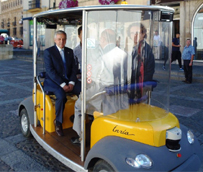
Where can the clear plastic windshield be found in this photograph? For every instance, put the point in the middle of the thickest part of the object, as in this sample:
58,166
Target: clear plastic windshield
127,64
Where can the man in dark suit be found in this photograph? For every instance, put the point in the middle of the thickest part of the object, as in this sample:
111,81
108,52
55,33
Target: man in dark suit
60,77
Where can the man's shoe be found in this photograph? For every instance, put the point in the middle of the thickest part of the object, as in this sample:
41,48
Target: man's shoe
188,82
58,129
163,68
75,140
181,69
184,81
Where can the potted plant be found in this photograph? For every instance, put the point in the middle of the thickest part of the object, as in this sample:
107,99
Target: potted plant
107,2
68,3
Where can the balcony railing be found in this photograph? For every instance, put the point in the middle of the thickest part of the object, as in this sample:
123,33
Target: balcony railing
34,4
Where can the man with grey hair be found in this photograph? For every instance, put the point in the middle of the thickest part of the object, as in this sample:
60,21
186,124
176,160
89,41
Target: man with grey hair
187,56
60,75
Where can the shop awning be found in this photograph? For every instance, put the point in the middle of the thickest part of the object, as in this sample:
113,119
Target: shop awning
27,18
3,31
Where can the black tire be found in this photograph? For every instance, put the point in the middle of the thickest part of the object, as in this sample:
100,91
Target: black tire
102,166
25,123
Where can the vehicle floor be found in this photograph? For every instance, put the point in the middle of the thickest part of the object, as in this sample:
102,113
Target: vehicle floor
63,145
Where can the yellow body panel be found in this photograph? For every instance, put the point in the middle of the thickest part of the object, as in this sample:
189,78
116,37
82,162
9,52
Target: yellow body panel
50,111
141,122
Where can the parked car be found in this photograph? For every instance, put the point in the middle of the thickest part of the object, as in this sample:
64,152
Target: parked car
16,42
1,39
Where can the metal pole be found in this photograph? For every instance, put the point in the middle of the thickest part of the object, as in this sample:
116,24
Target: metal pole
83,91
35,71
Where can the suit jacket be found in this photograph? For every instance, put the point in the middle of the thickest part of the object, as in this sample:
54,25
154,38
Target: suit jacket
55,68
149,62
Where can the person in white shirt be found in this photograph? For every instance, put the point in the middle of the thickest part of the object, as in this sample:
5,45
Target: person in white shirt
156,45
109,68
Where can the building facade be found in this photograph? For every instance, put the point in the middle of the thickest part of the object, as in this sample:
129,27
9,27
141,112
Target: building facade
188,21
11,14
32,7
16,17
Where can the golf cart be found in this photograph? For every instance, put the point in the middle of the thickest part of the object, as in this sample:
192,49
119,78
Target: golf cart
126,124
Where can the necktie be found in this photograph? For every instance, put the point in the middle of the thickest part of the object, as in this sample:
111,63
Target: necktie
140,73
64,63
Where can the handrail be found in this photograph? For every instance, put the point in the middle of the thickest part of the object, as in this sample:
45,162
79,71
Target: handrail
41,87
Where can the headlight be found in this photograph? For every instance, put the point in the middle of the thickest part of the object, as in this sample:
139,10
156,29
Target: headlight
190,137
140,160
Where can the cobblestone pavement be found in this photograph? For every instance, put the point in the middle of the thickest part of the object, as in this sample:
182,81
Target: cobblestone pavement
21,154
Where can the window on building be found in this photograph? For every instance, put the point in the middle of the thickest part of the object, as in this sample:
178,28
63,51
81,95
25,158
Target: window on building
14,31
21,31
198,34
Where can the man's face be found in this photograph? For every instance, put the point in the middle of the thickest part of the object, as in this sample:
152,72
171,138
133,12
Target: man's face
102,41
177,35
60,40
136,34
156,33
80,36
188,42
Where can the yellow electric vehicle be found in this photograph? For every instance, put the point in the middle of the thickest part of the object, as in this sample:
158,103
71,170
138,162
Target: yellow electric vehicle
126,124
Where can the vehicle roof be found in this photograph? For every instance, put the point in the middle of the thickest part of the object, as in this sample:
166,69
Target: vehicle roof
78,10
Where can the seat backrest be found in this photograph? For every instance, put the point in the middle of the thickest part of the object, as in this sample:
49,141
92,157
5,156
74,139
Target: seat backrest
42,74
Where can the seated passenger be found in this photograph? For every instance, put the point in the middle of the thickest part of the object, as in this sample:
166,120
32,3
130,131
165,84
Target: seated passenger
142,62
108,65
60,75
78,53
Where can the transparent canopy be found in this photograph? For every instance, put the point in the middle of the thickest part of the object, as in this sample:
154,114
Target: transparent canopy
125,59
127,66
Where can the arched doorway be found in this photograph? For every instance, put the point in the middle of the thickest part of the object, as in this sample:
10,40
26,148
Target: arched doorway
197,33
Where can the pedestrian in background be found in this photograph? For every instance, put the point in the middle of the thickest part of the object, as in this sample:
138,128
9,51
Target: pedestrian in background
156,45
176,54
188,55
195,47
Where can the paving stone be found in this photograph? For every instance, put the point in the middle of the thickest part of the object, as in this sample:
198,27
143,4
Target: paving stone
6,148
5,167
200,138
15,139
21,162
40,155
183,111
2,94
24,77
13,112
4,72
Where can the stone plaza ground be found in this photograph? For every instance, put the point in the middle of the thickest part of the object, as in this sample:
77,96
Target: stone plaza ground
21,154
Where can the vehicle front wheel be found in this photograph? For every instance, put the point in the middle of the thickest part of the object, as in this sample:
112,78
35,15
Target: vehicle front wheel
102,166
25,123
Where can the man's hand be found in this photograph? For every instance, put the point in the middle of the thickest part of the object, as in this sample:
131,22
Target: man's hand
66,88
70,87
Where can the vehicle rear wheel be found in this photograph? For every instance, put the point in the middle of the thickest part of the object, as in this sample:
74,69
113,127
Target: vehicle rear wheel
25,123
102,166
